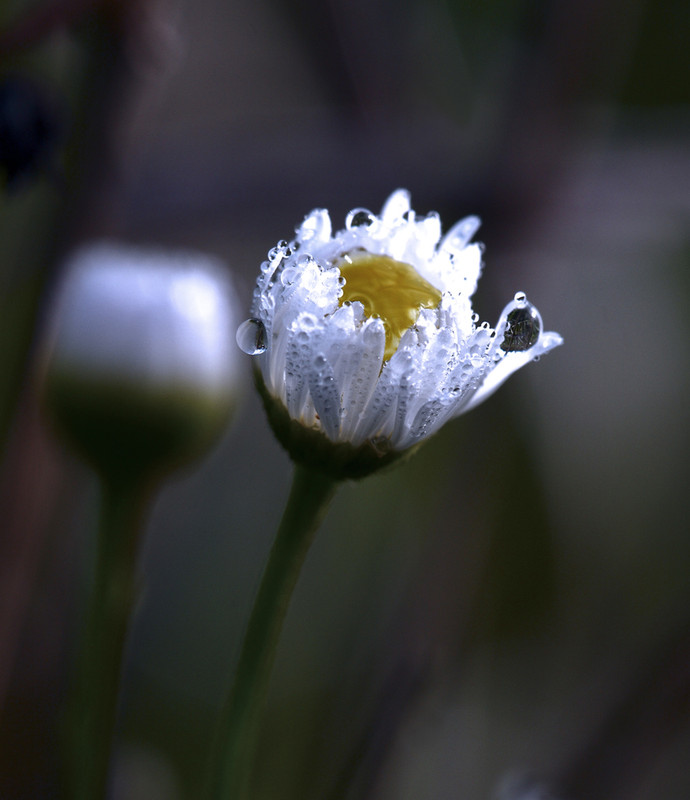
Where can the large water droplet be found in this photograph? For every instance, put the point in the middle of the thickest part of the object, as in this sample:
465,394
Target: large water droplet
359,218
251,337
522,329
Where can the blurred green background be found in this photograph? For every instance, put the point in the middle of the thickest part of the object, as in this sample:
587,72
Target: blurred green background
507,614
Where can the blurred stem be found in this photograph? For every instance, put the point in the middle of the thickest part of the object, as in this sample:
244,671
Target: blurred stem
239,720
112,598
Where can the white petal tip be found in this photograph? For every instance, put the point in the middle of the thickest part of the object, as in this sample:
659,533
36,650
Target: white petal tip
396,205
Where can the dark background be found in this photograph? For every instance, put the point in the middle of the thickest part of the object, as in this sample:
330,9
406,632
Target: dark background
507,610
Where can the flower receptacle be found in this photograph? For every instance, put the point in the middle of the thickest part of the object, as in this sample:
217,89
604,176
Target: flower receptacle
312,448
129,432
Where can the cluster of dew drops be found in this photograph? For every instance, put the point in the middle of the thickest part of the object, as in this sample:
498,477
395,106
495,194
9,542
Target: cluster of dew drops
522,323
251,334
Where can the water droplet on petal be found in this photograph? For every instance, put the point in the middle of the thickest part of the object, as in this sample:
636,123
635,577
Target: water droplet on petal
359,218
251,337
288,275
522,328
279,251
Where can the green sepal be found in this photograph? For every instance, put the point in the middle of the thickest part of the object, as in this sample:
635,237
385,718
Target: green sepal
130,432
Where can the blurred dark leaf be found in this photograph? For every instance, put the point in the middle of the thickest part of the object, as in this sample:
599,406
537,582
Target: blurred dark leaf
30,129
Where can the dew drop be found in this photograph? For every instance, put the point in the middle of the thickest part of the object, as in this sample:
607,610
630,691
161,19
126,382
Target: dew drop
251,337
278,268
287,275
522,329
359,218
279,251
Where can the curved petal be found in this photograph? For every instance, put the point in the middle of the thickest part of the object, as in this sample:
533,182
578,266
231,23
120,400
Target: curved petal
395,207
316,225
509,364
460,234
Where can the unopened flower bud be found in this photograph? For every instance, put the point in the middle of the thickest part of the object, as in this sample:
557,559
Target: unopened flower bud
141,372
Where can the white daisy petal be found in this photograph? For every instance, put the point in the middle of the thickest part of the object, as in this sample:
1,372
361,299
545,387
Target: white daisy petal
325,395
460,234
397,205
316,225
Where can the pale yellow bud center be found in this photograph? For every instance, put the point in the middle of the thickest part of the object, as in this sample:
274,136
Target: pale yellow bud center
389,289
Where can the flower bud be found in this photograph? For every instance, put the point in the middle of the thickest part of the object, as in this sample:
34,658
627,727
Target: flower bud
141,372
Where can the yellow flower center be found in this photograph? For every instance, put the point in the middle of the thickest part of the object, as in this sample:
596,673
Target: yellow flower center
389,289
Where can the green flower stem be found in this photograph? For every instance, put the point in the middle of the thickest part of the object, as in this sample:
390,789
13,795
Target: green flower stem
239,720
112,598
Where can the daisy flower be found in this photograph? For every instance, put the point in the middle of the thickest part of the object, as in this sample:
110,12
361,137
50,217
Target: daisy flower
365,339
